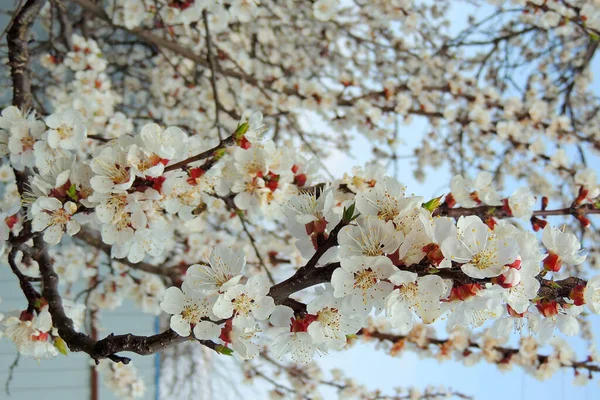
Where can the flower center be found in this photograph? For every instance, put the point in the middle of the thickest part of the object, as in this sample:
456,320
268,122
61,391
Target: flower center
191,313
65,132
365,279
243,304
27,142
329,317
408,292
60,217
484,259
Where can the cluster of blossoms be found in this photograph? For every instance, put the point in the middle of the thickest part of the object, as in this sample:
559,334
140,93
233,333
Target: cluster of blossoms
387,252
102,169
394,257
469,349
33,333
122,380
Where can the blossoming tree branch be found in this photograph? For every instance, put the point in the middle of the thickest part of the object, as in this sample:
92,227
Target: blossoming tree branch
160,151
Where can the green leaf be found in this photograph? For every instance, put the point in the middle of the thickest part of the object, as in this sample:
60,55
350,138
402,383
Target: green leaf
61,346
432,270
432,204
594,36
348,214
554,285
353,336
72,192
241,130
224,350
219,153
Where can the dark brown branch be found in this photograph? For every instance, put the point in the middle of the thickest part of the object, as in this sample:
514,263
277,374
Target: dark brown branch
24,281
77,341
18,53
309,275
202,156
499,212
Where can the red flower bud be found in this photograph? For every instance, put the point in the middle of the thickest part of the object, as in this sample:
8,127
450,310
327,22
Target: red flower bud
516,264
552,262
538,224
513,313
301,324
584,221
449,200
434,253
577,295
548,308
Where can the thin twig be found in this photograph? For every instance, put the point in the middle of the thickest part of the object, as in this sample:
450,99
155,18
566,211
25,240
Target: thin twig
213,69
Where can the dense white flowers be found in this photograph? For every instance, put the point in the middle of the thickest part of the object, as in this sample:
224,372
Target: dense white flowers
67,130
223,272
521,203
419,295
54,218
481,252
364,281
246,301
189,309
140,158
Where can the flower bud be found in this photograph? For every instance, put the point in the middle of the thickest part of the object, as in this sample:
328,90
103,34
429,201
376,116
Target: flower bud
552,262
449,200
510,278
577,295
516,264
548,308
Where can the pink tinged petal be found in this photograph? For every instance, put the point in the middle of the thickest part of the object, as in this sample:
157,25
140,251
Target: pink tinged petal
53,139
223,307
263,308
180,326
568,325
205,330
173,301
403,278
281,317
401,318
257,286
315,330
40,221
139,220
502,328
546,330
73,227
361,304
53,234
342,282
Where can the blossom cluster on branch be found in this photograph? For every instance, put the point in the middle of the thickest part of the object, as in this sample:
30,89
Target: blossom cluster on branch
132,163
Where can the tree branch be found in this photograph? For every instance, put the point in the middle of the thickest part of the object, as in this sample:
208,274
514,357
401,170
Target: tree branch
18,53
